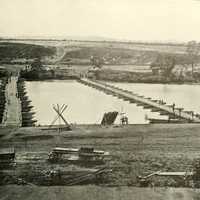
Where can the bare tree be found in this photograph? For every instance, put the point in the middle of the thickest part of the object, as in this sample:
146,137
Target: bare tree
193,51
96,61
163,65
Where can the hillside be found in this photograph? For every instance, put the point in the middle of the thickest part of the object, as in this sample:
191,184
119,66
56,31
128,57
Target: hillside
12,51
80,52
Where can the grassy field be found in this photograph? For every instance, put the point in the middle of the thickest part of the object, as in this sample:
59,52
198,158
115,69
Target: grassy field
135,149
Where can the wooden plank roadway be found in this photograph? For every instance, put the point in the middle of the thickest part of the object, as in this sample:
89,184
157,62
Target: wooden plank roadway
12,114
146,101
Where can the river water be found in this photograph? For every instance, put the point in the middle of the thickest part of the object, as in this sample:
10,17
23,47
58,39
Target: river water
87,105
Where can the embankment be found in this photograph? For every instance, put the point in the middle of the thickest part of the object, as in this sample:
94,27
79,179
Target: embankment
137,77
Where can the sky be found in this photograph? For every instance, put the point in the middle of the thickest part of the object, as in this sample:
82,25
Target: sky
145,20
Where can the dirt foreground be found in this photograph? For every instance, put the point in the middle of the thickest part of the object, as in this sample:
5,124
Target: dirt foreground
96,193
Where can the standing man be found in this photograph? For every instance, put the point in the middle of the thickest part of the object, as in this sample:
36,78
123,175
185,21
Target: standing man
173,107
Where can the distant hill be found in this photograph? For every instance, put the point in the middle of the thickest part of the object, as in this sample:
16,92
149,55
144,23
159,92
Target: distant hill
83,38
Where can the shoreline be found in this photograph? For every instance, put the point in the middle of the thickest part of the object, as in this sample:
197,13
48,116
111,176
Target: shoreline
115,81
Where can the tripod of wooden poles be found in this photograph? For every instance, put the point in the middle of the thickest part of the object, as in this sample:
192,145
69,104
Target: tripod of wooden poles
59,117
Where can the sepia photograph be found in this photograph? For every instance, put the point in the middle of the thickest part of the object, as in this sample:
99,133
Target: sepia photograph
99,99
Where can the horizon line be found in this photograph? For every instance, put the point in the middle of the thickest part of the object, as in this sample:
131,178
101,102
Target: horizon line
86,39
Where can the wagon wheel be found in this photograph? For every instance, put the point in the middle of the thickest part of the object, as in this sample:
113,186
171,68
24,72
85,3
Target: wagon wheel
54,156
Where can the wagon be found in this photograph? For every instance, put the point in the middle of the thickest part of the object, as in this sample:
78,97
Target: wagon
82,155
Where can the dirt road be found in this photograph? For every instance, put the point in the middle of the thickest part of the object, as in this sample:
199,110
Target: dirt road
12,113
96,192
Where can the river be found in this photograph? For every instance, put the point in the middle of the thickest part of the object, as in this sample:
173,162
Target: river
87,105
